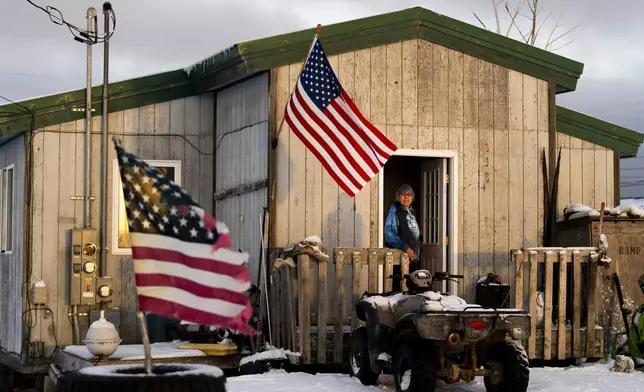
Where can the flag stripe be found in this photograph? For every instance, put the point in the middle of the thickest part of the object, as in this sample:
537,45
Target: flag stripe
174,294
200,290
206,278
191,249
318,129
323,157
387,144
195,314
173,256
341,138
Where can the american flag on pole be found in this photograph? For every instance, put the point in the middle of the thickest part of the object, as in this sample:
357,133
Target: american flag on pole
182,262
328,122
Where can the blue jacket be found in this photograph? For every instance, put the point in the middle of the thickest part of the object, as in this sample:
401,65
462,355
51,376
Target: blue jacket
392,236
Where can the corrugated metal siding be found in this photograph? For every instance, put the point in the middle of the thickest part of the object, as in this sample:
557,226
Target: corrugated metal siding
13,153
242,131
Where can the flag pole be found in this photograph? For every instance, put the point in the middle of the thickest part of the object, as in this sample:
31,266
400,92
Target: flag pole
317,33
146,342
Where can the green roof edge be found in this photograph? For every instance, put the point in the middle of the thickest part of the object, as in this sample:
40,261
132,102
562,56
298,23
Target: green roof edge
623,140
245,59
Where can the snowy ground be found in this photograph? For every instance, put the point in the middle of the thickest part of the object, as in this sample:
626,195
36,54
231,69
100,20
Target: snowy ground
589,378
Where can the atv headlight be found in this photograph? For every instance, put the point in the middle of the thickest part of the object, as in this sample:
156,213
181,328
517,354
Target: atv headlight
518,333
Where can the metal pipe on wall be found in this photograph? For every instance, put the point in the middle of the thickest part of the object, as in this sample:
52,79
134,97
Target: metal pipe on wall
102,261
91,16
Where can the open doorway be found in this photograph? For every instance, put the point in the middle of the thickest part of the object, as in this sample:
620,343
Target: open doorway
428,173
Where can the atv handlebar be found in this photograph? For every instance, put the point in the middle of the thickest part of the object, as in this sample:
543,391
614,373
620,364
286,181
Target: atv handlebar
438,276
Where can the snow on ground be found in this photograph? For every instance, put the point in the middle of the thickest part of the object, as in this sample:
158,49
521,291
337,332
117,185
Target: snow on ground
588,378
130,352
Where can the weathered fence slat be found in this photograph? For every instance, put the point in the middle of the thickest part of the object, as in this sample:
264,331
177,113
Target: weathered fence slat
304,298
576,320
547,308
355,286
404,268
373,272
518,257
561,328
532,341
290,308
338,334
389,270
592,315
322,311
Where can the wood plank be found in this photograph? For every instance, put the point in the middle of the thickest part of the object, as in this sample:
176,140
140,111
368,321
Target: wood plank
177,127
404,268
290,308
601,191
542,145
440,84
456,89
486,201
356,271
146,129
378,88
518,258
394,80
66,222
563,293
470,92
425,137
161,130
389,270
576,181
531,189
207,147
281,215
346,206
501,202
362,98
593,287
50,231
532,340
576,322
330,198
486,95
373,272
190,181
547,308
542,105
588,174
456,144
304,298
515,100
297,175
425,84
563,196
340,308
530,104
470,212
501,111
441,138
515,190
409,88
322,311
610,179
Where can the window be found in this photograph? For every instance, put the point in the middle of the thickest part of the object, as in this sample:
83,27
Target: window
6,209
120,232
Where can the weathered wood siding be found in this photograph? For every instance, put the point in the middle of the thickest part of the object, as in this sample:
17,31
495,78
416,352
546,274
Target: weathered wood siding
11,265
242,142
425,96
173,130
586,174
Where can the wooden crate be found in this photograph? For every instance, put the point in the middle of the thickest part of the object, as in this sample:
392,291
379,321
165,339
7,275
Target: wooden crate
307,297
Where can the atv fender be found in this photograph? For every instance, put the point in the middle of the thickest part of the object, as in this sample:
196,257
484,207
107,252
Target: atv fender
365,311
406,328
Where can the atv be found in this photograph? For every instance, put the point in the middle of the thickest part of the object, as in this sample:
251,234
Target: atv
422,336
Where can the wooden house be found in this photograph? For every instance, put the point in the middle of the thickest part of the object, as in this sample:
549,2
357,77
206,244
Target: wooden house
471,108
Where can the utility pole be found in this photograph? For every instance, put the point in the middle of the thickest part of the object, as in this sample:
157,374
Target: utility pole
107,7
91,22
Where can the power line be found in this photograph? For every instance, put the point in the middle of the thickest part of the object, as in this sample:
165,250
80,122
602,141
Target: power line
80,35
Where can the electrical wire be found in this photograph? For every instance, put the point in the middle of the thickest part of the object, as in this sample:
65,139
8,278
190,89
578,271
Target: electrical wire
80,35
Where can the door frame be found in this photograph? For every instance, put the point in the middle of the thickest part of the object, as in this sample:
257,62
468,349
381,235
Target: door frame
452,206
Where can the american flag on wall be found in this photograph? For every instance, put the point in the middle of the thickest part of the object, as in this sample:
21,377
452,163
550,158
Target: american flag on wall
182,262
328,122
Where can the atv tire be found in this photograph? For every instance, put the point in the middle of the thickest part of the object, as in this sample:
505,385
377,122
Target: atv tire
359,362
133,378
414,367
509,361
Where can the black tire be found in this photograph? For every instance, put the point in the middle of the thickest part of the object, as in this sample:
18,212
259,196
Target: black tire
126,378
509,361
415,367
359,363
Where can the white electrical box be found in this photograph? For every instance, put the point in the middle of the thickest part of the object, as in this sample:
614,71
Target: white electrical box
39,293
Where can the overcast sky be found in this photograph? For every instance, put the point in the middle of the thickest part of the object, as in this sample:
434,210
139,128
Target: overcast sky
41,58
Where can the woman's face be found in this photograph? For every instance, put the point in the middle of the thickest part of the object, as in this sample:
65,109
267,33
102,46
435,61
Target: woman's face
405,199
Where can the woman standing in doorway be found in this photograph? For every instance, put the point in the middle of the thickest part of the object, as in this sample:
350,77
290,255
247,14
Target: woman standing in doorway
401,228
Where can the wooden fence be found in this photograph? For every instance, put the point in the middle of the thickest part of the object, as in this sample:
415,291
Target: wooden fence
554,342
312,300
